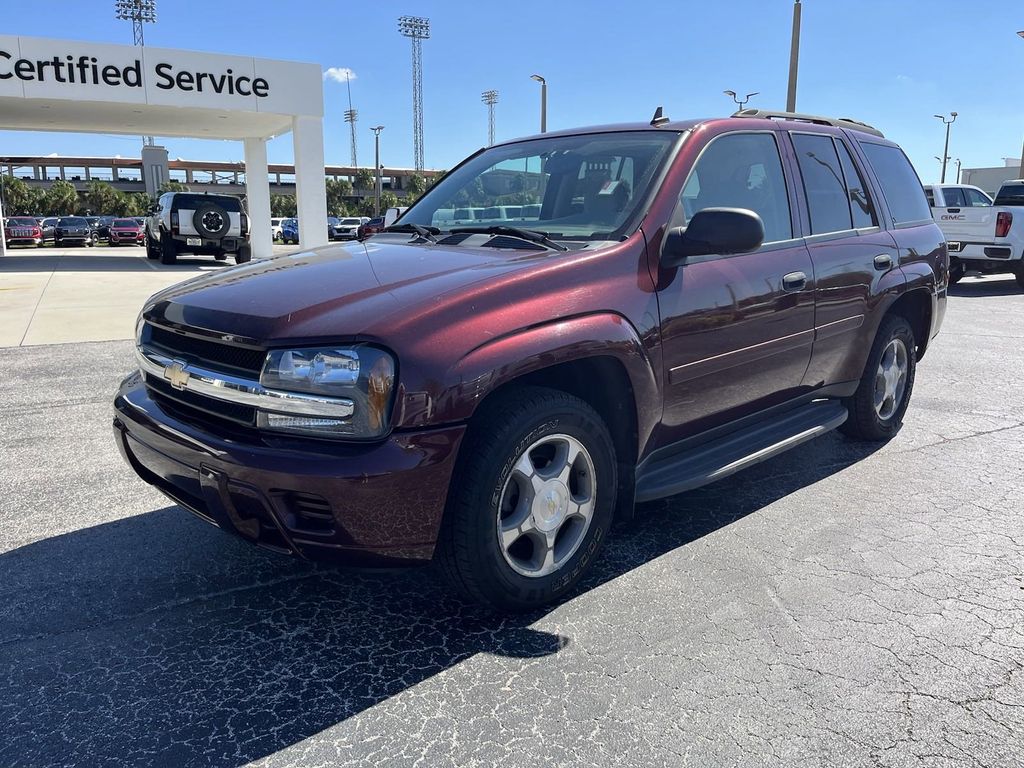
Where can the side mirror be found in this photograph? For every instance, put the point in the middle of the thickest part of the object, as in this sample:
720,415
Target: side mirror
713,231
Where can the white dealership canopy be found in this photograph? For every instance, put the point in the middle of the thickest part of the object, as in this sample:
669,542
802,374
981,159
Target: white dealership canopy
83,87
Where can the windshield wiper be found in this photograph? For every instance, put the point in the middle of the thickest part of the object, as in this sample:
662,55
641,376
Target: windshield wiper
541,238
427,233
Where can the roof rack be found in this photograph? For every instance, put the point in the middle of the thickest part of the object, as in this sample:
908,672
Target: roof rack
837,122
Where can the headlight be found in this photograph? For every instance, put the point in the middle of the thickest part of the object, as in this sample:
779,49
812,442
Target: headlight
360,373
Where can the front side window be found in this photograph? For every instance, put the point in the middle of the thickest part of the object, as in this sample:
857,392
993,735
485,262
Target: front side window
976,198
570,187
740,170
899,182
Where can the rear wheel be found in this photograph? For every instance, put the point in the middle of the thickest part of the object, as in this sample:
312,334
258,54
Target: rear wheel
532,500
168,251
244,254
956,273
1020,278
877,407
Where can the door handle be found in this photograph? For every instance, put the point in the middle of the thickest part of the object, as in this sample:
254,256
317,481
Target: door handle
794,281
883,262
952,210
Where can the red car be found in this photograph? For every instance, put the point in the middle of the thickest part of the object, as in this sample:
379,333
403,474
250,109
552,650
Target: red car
372,227
127,232
666,303
22,230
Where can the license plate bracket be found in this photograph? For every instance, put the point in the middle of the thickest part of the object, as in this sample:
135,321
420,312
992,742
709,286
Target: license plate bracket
194,241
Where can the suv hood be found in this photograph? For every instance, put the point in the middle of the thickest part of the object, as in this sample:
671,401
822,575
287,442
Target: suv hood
331,292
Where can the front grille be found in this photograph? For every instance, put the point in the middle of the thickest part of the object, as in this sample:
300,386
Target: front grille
208,354
193,407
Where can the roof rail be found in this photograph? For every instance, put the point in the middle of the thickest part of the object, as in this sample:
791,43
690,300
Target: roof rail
838,122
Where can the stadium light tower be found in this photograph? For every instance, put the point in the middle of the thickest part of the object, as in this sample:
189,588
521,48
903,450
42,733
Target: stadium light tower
351,116
138,12
490,98
416,28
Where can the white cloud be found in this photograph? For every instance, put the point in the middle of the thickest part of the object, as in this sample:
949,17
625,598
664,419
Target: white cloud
339,74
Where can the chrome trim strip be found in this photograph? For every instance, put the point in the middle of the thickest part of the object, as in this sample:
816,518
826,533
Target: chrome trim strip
234,389
746,355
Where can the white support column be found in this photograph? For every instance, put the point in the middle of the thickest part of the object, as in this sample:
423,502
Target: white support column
257,195
3,244
310,182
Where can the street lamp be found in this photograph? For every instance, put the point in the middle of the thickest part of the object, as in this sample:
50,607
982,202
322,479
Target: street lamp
945,152
376,162
740,102
543,102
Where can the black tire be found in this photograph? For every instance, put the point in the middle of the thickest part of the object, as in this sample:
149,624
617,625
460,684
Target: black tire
220,256
244,254
211,221
168,251
956,273
498,436
57,243
151,249
1020,278
865,422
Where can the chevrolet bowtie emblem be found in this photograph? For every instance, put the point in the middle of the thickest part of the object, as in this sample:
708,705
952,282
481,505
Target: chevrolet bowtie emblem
176,374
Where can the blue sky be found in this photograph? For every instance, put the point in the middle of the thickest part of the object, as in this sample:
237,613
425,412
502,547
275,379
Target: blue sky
891,63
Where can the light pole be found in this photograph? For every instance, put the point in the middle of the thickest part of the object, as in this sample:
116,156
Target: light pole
138,12
543,102
376,163
794,58
1021,34
945,151
958,170
740,102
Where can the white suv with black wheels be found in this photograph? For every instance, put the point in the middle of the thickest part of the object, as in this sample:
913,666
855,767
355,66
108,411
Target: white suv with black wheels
187,222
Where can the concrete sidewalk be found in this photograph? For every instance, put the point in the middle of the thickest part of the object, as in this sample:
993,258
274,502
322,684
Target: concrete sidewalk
62,295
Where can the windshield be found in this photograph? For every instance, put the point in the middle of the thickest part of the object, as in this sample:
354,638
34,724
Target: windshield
131,223
21,222
570,187
351,221
72,221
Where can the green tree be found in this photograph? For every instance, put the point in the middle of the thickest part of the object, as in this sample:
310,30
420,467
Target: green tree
35,202
17,196
101,198
387,200
61,199
172,186
337,191
415,186
282,206
364,179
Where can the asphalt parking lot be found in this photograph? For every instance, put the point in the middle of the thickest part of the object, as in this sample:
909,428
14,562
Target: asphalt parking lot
843,605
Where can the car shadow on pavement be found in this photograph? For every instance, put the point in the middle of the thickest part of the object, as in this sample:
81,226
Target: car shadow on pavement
157,640
989,287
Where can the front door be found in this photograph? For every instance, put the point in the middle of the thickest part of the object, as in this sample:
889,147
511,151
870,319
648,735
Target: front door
737,331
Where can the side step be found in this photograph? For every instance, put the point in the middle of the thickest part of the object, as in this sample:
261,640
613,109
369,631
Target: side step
722,457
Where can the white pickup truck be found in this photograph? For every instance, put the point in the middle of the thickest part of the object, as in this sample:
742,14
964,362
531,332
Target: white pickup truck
982,236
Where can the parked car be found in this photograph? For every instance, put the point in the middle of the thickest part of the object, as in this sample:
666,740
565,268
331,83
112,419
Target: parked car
275,228
49,227
698,296
126,232
333,222
22,230
348,228
371,227
982,236
290,231
103,227
73,230
214,225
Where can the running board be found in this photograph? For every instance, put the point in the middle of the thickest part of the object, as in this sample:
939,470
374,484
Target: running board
722,457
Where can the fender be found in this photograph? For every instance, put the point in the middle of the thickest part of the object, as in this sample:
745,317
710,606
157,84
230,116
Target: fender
500,361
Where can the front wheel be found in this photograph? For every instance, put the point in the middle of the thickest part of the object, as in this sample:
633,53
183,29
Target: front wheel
168,251
877,407
532,500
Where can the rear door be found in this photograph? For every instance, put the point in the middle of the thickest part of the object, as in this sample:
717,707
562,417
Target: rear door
736,330
852,254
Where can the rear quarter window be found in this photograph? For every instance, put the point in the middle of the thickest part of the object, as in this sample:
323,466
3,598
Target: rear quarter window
900,185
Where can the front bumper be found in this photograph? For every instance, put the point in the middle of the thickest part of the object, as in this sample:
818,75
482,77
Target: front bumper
376,504
23,240
127,238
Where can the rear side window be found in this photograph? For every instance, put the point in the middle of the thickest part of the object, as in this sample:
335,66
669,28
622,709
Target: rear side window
900,185
862,210
740,170
1010,194
954,197
827,200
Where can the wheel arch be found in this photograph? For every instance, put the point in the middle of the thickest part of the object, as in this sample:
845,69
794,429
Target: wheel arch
917,307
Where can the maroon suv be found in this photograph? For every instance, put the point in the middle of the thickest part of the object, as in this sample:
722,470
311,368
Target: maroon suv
563,325
127,232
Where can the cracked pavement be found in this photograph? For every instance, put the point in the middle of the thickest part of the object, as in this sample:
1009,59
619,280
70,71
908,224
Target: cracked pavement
843,605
